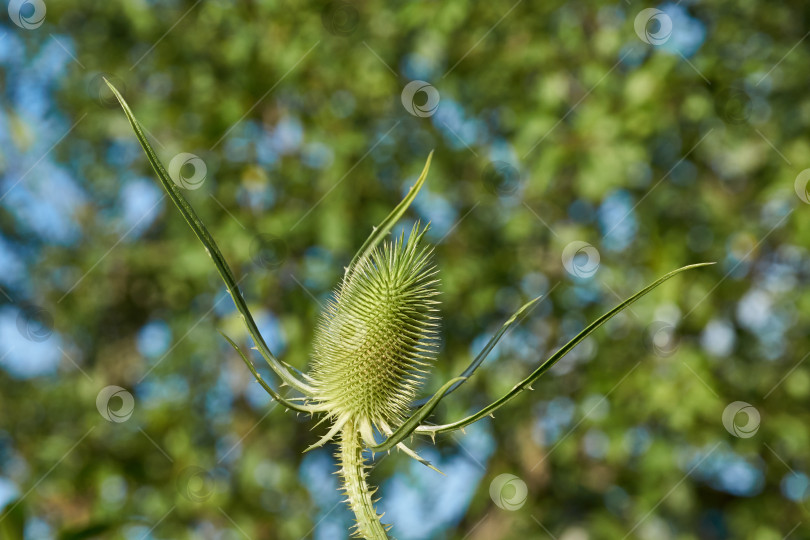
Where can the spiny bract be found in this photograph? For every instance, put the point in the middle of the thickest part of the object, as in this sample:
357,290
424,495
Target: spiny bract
377,335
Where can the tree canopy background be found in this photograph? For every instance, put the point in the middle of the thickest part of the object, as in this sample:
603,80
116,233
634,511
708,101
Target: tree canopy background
651,139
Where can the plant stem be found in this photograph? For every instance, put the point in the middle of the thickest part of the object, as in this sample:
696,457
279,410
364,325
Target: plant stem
358,495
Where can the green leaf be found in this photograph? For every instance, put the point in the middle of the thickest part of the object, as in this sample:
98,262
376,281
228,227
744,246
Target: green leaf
553,359
211,248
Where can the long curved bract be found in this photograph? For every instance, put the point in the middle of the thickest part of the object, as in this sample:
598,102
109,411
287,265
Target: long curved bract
553,359
414,420
379,232
479,359
212,249
305,408
412,425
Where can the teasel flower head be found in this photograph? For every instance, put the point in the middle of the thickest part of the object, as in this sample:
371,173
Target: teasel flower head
377,335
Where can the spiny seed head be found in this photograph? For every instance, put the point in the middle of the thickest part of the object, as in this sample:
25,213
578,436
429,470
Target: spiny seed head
378,334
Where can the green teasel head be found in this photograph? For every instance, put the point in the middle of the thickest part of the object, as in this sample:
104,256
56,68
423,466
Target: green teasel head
377,336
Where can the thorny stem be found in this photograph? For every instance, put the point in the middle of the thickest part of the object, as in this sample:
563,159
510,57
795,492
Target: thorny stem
358,494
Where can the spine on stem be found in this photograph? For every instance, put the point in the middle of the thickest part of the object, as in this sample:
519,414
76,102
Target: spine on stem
358,494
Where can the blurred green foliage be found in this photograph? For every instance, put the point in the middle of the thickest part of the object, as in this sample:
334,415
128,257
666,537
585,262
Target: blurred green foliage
656,155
